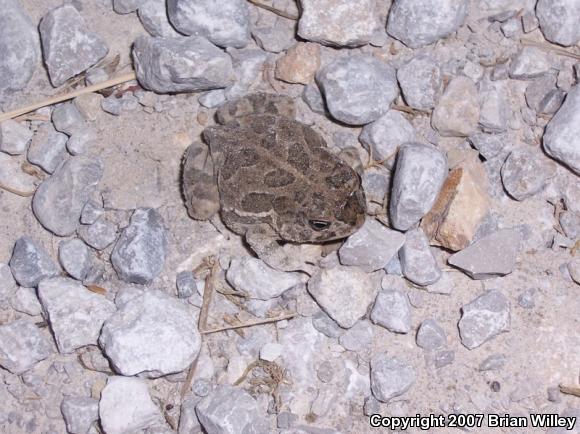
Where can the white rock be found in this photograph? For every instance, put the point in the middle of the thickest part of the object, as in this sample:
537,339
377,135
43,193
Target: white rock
14,137
344,293
22,345
529,62
7,283
126,406
26,301
153,316
421,22
371,247
231,410
338,22
75,314
271,351
562,136
258,280
384,136
559,20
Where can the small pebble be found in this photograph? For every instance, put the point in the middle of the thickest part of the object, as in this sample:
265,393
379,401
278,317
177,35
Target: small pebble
30,263
14,137
390,377
75,258
392,311
185,283
484,318
431,336
100,234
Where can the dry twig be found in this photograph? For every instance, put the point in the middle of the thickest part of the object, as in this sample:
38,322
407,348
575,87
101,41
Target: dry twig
248,324
549,47
274,10
570,390
70,95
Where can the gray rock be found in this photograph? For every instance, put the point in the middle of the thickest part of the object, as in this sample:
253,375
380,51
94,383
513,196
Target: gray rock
126,6
80,141
523,174
226,24
530,22
392,311
390,377
344,293
431,336
12,176
457,113
340,23
169,65
75,314
188,422
512,28
442,358
483,318
68,46
100,234
30,263
490,256
7,283
559,20
152,316
493,362
257,280
231,410
14,136
543,96
526,299
59,200
359,338
26,301
326,325
140,251
48,148
75,258
419,176
213,98
384,136
418,262
153,17
22,345
286,419
495,106
67,118
248,65
120,415
421,82
314,99
569,221
185,283
528,63
91,212
421,22
276,38
358,89
394,266
371,247
270,351
79,413
488,145
562,136
20,50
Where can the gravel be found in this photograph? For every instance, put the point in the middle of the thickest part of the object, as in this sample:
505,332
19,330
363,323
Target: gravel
79,413
559,21
59,200
421,82
195,64
69,47
418,262
419,175
561,140
357,89
30,263
390,377
484,318
431,336
156,317
523,174
74,313
14,137
457,113
417,23
48,148
339,23
392,311
139,253
20,50
22,345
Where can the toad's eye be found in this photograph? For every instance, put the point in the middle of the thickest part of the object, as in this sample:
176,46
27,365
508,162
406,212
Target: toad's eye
319,225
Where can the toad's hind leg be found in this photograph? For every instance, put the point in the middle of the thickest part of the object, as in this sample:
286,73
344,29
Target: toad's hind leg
199,183
282,258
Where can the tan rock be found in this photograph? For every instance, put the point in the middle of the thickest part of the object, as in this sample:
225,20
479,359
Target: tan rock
299,64
457,113
458,211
